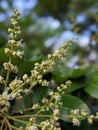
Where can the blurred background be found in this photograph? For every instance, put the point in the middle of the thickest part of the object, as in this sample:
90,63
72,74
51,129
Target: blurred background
45,26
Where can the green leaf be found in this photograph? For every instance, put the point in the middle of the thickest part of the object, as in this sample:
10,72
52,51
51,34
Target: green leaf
24,66
35,96
92,87
76,84
3,57
39,92
76,73
71,103
61,73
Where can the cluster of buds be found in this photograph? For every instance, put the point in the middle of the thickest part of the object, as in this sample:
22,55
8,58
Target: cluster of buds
14,32
45,67
76,114
14,53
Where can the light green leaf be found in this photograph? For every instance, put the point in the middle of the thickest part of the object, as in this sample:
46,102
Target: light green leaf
92,87
76,73
61,73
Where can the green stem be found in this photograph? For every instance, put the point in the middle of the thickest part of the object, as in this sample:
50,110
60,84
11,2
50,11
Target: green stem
36,115
45,105
21,116
7,75
14,127
7,122
72,116
19,87
7,78
23,85
21,121
24,110
2,125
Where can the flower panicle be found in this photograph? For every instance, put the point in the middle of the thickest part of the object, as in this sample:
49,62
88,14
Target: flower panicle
18,87
14,32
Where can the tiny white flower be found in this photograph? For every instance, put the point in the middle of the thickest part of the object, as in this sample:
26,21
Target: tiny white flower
5,95
25,76
6,50
76,122
56,112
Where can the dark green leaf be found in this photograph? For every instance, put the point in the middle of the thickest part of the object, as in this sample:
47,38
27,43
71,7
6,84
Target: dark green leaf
35,96
25,67
76,84
70,103
39,92
3,57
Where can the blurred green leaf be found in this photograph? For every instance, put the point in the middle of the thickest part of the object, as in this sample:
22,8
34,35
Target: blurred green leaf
61,73
76,73
92,87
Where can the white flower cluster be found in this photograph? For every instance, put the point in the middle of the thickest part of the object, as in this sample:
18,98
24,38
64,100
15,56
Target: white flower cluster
32,127
12,50
15,83
51,103
76,113
9,66
76,121
48,125
4,101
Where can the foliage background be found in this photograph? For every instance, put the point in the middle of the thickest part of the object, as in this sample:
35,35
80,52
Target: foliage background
45,26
